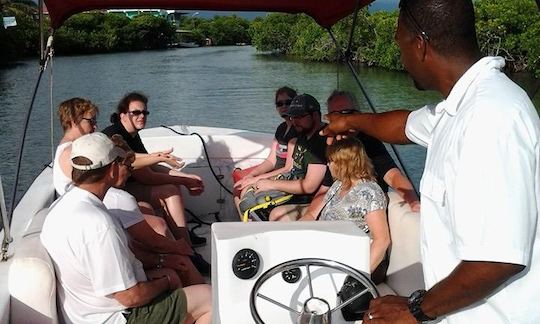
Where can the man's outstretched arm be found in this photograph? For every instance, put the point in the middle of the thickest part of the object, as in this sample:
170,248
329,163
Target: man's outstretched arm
388,126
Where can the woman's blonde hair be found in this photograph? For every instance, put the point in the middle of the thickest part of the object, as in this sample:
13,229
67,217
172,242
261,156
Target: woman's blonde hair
351,161
73,110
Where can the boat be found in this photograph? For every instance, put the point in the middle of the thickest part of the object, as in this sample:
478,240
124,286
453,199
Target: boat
284,277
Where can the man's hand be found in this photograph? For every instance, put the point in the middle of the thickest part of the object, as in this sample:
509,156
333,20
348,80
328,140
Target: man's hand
172,276
245,182
171,160
389,309
338,128
263,185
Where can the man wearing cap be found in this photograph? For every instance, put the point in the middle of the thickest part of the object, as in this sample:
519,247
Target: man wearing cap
308,158
99,279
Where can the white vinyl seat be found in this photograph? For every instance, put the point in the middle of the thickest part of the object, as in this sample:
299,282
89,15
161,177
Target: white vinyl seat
404,274
32,281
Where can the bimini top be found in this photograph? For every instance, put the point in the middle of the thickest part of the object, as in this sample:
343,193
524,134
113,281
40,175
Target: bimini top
325,12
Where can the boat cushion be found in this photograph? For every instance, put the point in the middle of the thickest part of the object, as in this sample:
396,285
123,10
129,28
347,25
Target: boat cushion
404,274
32,281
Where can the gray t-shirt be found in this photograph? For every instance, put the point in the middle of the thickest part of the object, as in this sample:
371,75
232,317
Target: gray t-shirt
361,199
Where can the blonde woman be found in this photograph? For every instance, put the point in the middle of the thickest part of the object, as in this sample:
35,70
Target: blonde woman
356,196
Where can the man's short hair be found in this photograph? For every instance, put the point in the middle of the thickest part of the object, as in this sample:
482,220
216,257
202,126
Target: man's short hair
347,94
73,110
448,24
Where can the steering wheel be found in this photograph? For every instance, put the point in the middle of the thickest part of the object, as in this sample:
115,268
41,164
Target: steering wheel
307,263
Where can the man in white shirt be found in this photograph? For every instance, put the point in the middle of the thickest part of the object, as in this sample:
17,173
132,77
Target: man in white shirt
99,279
479,229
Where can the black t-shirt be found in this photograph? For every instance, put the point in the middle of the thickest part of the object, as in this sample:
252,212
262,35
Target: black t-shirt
381,159
283,137
310,151
134,143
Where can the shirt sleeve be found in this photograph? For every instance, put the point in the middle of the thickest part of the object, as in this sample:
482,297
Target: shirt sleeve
123,207
421,122
495,205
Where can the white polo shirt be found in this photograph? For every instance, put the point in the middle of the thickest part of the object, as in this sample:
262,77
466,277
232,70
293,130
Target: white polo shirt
91,257
480,189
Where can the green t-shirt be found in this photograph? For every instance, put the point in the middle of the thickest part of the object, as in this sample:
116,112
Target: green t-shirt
309,151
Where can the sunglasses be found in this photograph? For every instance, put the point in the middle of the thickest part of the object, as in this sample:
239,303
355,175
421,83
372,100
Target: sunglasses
282,103
91,121
414,22
300,116
139,112
344,112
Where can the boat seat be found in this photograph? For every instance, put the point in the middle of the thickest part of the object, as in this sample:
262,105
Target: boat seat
32,281
404,274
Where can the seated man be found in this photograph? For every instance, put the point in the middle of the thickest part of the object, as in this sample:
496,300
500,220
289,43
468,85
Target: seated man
99,279
306,163
386,170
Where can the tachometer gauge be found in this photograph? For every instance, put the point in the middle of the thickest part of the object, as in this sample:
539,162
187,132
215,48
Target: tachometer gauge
292,276
245,264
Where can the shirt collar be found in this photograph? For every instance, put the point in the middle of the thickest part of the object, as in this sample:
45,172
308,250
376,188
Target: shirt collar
459,90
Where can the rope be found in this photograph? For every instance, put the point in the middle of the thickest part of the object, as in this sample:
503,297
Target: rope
205,153
368,99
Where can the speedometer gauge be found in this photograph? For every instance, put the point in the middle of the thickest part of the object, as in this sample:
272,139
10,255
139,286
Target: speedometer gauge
245,264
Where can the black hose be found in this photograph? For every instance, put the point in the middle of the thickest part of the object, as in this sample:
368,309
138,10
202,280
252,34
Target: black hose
205,153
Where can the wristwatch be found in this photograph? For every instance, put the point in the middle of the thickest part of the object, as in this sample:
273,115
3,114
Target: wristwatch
415,300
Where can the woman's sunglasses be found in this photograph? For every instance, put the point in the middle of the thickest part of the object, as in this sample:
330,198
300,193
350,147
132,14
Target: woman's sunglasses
138,112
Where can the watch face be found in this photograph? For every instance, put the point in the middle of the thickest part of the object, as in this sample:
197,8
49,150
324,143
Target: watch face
246,263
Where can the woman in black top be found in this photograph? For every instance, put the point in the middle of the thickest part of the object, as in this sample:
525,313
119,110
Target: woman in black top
278,152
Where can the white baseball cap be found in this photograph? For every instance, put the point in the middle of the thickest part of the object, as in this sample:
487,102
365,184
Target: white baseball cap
96,147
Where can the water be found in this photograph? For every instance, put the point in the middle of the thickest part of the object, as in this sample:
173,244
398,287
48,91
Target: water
213,86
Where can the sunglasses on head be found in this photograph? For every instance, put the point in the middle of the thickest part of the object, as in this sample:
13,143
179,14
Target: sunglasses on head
344,111
91,121
138,112
282,103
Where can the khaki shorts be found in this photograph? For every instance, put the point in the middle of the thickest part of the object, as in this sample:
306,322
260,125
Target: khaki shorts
166,308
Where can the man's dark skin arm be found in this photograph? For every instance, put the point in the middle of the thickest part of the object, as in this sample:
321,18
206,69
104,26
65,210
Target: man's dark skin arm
388,126
470,282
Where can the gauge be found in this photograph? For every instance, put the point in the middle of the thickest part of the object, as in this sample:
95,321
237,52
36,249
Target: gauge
292,276
245,264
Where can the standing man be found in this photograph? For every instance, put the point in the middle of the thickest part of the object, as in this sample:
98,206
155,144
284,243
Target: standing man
479,230
99,279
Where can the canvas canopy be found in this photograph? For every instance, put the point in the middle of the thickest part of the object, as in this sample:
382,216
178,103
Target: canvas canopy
325,12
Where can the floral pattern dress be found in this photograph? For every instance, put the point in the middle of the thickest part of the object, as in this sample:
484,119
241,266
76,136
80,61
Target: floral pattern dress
361,199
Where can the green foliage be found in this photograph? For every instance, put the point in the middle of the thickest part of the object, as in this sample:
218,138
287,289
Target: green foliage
96,32
21,40
221,30
273,33
506,28
510,29
381,49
